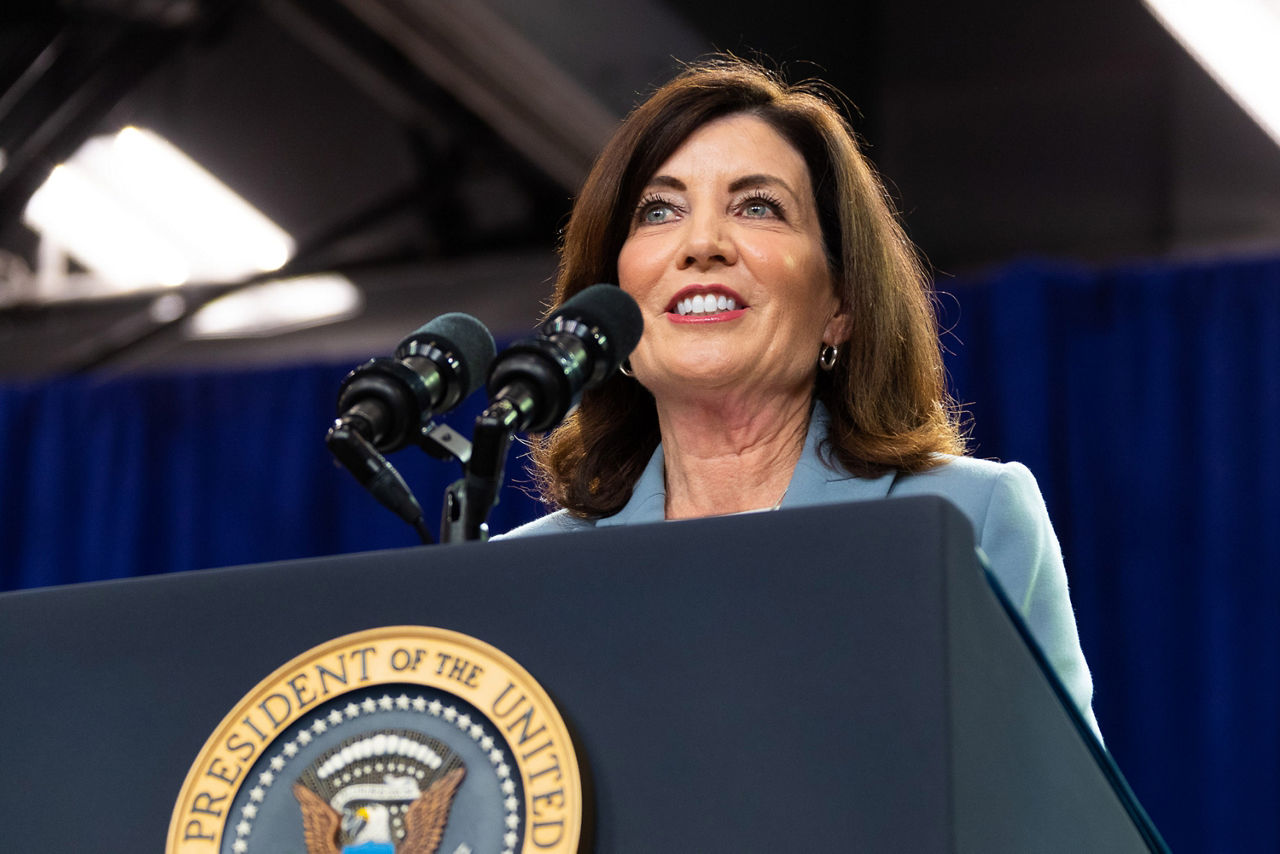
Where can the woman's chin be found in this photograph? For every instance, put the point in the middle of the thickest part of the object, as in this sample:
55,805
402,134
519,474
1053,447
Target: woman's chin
708,384
696,375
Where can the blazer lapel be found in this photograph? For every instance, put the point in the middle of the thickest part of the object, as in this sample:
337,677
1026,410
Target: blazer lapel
814,482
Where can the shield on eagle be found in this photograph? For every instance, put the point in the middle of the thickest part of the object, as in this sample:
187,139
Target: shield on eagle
379,793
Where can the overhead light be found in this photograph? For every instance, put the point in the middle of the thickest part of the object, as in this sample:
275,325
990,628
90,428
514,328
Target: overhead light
77,213
138,212
277,306
1238,43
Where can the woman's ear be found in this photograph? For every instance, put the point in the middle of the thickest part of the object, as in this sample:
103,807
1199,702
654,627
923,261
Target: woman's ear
838,326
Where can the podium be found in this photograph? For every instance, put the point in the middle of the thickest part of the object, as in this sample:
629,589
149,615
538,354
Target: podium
833,678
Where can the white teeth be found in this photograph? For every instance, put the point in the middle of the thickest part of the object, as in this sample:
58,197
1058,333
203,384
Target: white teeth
705,304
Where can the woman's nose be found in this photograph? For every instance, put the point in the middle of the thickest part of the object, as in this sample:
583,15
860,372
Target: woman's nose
707,243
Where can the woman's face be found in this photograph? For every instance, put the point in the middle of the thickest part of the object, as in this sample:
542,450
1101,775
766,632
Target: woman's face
725,258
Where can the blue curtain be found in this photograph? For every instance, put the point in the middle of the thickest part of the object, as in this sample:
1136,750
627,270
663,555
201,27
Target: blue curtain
1145,400
177,472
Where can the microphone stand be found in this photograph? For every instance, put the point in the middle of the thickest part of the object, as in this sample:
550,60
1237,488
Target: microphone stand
468,501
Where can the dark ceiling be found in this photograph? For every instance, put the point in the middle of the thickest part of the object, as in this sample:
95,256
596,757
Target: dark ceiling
429,148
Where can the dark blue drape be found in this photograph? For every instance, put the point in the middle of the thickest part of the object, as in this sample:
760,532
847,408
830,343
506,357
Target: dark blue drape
166,473
1144,399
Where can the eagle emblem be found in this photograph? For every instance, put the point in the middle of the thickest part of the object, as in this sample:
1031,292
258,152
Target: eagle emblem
392,740
379,793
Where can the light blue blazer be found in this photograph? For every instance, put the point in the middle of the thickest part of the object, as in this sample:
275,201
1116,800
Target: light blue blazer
1002,500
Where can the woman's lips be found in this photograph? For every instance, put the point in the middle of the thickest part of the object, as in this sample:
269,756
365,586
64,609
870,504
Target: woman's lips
718,317
705,303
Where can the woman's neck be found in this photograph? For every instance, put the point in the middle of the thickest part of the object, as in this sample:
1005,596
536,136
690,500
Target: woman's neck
728,458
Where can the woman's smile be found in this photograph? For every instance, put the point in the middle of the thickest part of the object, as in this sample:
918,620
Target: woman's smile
706,303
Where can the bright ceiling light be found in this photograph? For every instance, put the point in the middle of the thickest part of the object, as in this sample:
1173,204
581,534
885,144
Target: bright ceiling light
1238,43
138,212
277,306
79,214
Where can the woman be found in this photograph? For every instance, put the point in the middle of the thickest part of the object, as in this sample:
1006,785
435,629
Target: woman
790,355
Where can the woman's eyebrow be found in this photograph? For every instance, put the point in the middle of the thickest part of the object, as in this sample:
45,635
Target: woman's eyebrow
667,181
759,180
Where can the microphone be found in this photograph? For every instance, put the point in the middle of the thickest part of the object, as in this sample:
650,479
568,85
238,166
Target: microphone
387,401
532,386
578,346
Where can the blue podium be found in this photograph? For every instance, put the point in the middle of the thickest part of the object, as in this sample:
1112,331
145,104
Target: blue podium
835,678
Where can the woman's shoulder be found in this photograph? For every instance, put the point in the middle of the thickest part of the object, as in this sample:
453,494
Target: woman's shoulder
559,522
977,487
965,472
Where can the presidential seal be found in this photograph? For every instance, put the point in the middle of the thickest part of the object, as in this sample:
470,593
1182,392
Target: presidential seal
399,740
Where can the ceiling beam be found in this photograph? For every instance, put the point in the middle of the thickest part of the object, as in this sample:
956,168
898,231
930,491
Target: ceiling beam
472,53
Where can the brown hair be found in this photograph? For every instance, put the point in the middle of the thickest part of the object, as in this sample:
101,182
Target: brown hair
887,393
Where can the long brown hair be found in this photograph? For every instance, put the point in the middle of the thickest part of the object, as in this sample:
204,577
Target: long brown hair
887,393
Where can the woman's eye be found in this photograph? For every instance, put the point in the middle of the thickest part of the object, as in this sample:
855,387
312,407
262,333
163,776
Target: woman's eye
657,213
760,208
654,211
